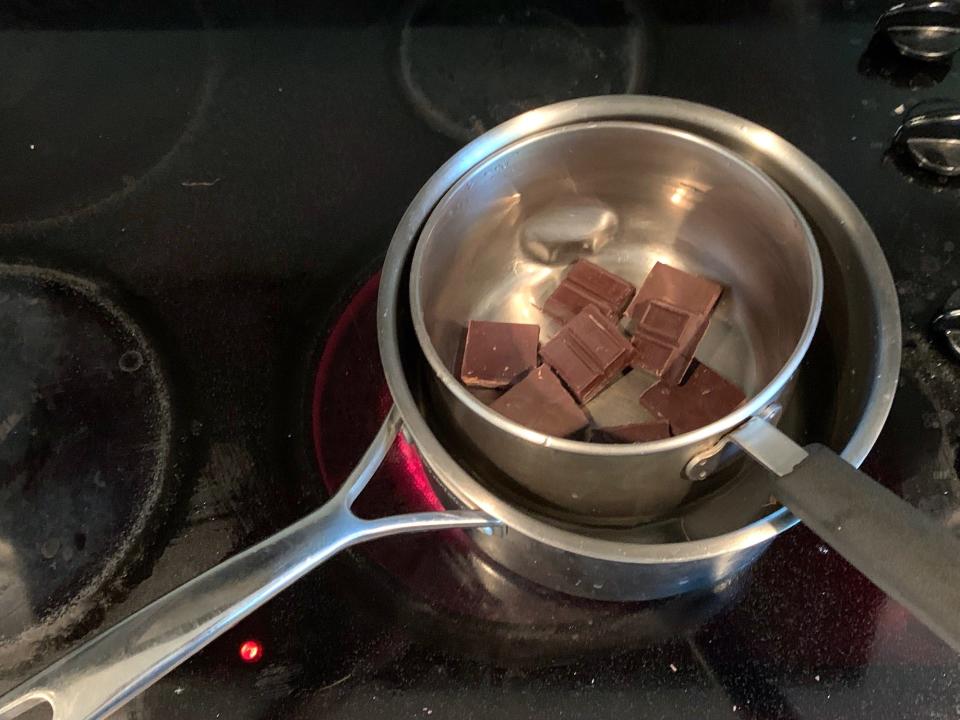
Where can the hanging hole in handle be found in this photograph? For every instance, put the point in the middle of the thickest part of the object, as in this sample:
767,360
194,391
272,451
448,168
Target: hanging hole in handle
30,707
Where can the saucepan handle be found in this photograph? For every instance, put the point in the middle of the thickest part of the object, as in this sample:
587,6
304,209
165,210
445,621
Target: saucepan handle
103,674
902,550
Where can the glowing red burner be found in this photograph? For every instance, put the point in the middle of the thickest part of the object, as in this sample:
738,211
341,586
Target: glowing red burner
350,400
251,651
446,569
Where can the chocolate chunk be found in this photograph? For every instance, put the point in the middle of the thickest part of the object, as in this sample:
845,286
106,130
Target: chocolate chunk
680,289
485,395
588,353
633,433
497,354
668,318
541,403
589,284
702,399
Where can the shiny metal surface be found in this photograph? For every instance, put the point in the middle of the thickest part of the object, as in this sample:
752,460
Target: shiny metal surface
706,463
729,529
923,29
107,672
932,138
947,325
768,446
939,155
565,232
669,196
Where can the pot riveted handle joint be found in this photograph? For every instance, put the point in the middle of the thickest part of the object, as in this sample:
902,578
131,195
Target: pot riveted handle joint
726,450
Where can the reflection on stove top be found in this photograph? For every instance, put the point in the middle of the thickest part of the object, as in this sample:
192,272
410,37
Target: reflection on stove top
85,436
114,110
505,58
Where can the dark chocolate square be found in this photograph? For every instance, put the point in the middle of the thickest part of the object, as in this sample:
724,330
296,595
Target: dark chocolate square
497,354
588,353
541,403
692,293
672,308
664,320
704,398
632,433
652,354
589,284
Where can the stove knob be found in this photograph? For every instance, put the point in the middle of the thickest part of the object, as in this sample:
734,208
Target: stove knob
923,29
931,136
947,325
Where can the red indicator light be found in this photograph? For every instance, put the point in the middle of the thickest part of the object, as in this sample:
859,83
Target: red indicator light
251,651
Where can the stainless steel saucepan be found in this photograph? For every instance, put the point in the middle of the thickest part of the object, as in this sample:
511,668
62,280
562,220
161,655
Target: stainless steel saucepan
626,195
842,395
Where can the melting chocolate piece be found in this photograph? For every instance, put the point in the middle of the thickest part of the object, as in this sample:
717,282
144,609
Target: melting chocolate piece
589,284
702,399
541,403
588,353
668,318
497,354
633,433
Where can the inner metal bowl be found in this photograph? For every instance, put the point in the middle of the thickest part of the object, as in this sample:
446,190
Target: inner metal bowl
625,195
854,368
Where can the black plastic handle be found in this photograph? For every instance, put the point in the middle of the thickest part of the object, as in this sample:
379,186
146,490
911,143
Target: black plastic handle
902,550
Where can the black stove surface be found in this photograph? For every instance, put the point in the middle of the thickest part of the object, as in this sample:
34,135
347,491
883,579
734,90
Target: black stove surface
195,201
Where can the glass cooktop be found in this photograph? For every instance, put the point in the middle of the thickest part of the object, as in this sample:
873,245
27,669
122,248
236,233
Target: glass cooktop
195,199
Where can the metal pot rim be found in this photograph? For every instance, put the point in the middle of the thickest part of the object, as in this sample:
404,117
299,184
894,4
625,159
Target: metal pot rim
754,406
682,114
